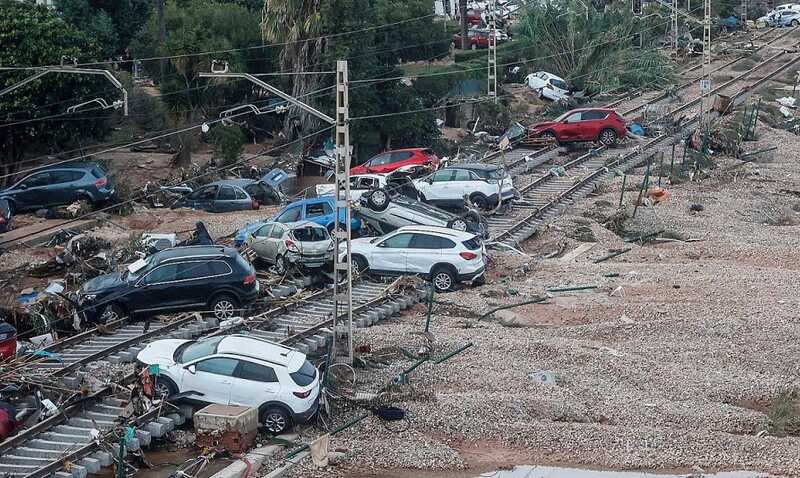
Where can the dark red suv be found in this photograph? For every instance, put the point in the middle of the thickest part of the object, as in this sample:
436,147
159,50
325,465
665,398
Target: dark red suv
590,124
391,160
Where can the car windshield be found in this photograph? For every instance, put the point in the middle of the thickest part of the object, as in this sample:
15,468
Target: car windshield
137,269
195,350
563,116
305,375
558,84
310,234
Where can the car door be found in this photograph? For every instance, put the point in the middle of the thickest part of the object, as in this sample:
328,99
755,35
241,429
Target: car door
63,187
193,284
390,254
212,377
436,189
275,242
254,384
379,164
203,198
591,124
424,251
261,240
157,292
226,200
31,192
400,159
460,184
569,129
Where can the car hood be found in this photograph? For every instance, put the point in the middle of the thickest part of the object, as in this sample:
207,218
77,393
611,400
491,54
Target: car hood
102,282
546,124
160,352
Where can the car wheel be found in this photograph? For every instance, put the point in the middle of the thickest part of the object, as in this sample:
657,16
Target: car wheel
443,279
111,313
480,201
459,224
280,265
275,420
360,265
607,137
164,387
548,135
223,307
795,23
378,200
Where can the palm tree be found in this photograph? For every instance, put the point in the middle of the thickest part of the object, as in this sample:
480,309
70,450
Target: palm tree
292,22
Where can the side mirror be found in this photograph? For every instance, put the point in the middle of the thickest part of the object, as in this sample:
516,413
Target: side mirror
192,369
23,186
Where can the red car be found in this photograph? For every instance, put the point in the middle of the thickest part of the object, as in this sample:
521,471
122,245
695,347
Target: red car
590,124
391,160
475,39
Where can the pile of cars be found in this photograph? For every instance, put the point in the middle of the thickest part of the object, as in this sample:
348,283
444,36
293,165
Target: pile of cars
786,15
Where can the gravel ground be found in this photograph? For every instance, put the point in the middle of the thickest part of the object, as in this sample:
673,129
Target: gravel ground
656,368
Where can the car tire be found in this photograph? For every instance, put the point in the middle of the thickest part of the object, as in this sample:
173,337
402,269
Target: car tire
443,279
607,137
275,420
549,135
164,387
223,307
111,313
280,265
480,201
458,224
360,265
795,23
378,200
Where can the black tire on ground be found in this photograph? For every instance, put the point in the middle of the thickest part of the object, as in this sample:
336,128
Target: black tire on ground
360,265
164,387
378,200
111,313
795,23
275,420
223,307
607,137
280,265
459,224
480,201
443,279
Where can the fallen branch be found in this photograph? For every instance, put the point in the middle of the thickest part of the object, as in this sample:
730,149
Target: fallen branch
612,255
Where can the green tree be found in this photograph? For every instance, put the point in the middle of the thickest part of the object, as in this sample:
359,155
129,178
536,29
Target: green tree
229,143
595,50
112,24
34,35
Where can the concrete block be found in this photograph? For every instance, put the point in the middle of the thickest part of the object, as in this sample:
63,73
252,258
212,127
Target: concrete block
144,437
240,468
156,429
62,474
177,418
226,418
78,471
103,457
167,423
73,383
126,357
116,358
92,465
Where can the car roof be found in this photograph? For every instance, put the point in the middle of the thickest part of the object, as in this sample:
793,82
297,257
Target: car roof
474,166
231,182
442,231
193,251
303,202
296,224
399,150
259,349
70,165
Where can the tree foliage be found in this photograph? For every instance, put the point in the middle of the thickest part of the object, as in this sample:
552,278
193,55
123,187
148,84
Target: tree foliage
111,24
594,49
31,35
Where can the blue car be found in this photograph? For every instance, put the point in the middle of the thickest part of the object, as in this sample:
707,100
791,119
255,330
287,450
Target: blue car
59,185
318,210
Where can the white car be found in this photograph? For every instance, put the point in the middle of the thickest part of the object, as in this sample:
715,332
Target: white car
443,256
359,184
548,85
483,184
238,370
302,243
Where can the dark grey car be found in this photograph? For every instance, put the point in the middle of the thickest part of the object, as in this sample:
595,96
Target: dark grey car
59,185
229,195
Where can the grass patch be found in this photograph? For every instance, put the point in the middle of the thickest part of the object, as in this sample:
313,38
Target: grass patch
784,415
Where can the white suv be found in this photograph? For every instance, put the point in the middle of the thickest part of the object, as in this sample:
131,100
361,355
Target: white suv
238,370
483,184
443,256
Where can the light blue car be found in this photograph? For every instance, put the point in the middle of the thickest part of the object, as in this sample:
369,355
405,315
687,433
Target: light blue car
318,210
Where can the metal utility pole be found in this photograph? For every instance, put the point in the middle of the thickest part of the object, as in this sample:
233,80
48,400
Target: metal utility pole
674,24
705,82
492,69
343,270
744,14
78,71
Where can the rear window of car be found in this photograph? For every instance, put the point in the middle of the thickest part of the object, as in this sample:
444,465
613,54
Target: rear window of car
426,241
243,264
472,244
195,350
226,193
305,375
310,234
318,209
256,372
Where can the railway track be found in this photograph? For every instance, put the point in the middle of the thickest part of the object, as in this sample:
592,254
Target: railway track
44,449
547,195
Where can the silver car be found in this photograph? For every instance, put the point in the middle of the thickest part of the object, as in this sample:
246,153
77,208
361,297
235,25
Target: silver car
302,243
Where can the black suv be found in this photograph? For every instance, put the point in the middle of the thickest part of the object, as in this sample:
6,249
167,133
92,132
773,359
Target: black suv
59,185
195,278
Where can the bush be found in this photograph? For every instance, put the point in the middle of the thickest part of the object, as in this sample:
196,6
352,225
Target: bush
228,142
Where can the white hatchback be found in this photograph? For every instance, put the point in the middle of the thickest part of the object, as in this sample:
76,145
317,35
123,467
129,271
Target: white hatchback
238,370
442,255
548,85
485,185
